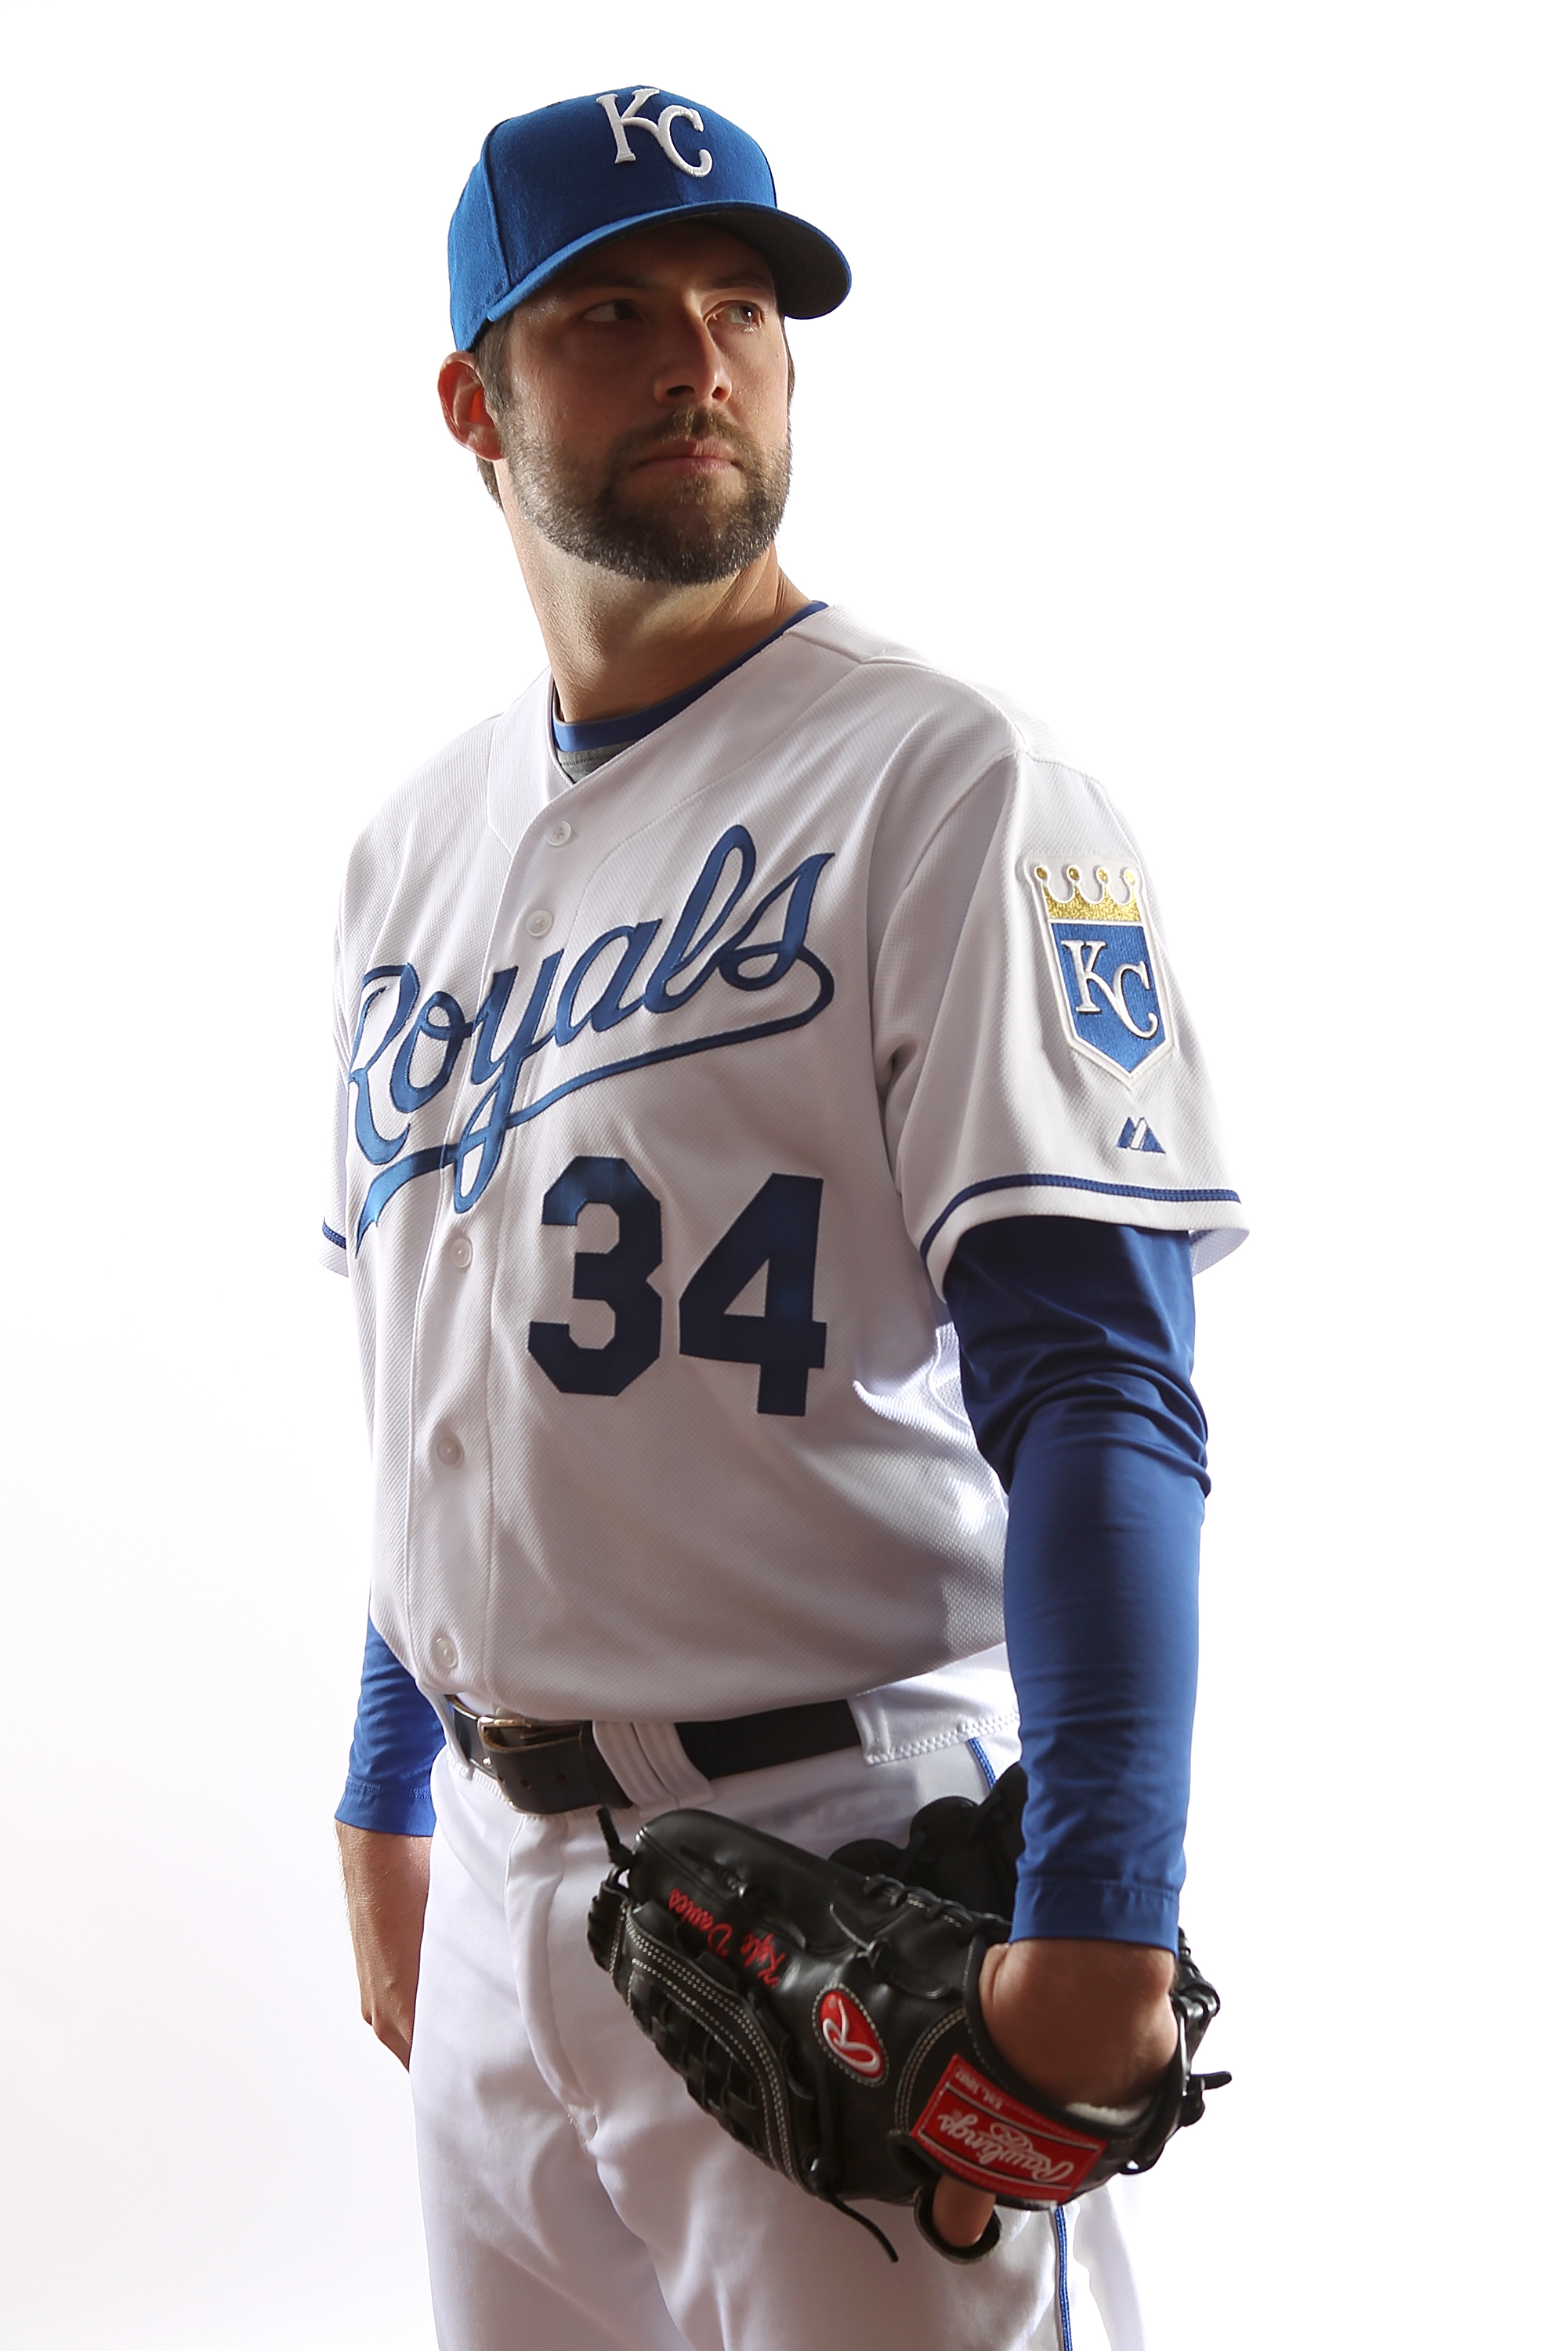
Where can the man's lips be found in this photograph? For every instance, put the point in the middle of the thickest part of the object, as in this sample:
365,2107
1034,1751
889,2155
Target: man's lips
686,457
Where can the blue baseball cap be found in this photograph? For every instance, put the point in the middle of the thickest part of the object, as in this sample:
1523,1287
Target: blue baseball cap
552,185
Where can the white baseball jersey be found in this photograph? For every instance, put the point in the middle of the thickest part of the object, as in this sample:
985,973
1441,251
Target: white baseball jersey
666,1098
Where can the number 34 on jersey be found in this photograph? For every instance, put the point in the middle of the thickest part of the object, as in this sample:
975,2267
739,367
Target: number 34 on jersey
776,1229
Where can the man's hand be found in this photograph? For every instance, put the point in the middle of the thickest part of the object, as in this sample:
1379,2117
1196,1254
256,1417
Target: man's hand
1086,2022
386,1879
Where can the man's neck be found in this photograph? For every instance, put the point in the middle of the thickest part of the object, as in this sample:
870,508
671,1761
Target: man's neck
618,645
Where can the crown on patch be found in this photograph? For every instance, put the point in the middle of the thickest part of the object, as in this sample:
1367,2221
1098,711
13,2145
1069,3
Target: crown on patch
1106,908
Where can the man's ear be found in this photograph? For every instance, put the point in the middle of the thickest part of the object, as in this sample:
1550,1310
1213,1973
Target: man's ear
468,420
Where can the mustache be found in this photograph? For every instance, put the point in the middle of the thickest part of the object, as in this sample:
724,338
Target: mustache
682,424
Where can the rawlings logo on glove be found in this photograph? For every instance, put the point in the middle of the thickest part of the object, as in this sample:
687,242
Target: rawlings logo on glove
849,2035
827,2014
976,2130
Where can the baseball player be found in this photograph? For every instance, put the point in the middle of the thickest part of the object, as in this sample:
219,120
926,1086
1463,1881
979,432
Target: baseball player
772,1155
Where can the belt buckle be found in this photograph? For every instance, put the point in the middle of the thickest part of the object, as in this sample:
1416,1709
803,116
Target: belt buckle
542,1767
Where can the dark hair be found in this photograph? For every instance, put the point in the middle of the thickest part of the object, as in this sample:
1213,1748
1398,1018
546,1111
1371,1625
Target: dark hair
488,345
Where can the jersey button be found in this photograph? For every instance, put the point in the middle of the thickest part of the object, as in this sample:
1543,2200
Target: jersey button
538,923
444,1652
448,1448
463,1250
560,833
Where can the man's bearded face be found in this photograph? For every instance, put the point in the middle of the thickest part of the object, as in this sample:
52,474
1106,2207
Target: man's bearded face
682,532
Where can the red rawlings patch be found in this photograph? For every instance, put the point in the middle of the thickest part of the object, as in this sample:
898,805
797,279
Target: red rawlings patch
848,2033
972,2127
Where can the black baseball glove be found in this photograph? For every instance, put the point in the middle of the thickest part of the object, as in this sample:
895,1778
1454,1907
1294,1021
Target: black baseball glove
827,2014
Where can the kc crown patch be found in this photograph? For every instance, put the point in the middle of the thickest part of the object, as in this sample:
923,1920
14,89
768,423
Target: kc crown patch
1109,987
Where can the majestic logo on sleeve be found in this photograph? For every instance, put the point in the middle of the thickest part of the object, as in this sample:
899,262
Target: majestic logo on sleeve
1104,957
729,946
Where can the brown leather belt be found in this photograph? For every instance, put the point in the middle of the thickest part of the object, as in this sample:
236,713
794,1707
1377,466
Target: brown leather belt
555,1767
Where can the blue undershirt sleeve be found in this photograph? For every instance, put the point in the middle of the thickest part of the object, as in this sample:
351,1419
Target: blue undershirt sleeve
1076,1344
397,1738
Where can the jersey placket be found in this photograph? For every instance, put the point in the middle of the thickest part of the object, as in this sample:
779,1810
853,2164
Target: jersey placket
451,1533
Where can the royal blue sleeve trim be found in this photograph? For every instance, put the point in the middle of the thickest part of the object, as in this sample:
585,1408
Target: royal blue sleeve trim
1071,1183
1076,1344
397,1736
339,1240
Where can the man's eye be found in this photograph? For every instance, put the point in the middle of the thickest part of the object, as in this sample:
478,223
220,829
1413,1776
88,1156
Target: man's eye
606,314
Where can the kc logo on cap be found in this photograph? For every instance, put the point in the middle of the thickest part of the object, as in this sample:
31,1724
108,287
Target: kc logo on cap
549,186
634,119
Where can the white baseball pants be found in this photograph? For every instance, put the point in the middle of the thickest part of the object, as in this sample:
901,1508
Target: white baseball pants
575,2198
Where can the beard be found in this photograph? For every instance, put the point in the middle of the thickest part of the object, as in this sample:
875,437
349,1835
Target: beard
697,534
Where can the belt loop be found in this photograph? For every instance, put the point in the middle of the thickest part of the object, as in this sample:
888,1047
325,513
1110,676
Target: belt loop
650,1763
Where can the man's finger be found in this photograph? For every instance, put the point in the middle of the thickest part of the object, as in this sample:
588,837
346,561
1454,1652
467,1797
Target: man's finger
393,2036
959,2213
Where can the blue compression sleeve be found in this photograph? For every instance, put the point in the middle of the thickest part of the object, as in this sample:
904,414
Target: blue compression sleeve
397,1738
1076,1342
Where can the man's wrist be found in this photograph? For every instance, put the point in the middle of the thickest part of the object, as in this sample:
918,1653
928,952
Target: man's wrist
1085,2022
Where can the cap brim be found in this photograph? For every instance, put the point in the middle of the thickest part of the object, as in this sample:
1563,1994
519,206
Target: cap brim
810,272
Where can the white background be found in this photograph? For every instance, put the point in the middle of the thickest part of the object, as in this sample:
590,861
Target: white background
1203,387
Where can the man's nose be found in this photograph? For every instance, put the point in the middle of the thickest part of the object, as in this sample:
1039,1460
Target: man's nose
693,369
